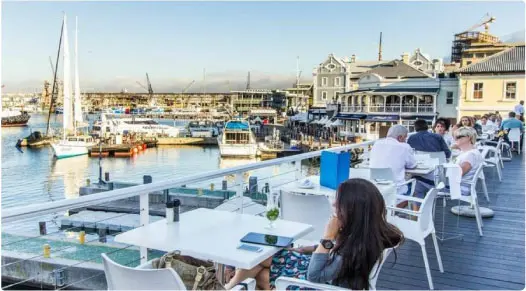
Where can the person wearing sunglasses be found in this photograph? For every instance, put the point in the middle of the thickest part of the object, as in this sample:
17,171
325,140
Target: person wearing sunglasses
469,158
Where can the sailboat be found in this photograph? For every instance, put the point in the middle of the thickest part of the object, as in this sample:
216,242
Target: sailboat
72,144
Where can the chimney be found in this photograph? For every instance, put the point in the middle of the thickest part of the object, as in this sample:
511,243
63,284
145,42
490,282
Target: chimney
405,58
353,58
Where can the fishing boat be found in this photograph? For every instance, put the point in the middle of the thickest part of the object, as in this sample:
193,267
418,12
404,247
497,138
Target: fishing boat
13,118
72,143
237,140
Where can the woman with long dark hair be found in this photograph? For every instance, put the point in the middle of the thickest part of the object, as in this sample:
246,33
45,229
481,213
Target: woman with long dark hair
353,242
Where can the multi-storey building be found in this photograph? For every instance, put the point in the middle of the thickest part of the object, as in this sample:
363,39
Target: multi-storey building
493,84
391,93
299,97
250,99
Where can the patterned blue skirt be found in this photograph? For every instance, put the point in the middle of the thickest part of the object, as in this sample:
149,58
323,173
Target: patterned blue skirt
289,264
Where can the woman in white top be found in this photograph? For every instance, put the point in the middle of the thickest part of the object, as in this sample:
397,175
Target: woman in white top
441,128
469,158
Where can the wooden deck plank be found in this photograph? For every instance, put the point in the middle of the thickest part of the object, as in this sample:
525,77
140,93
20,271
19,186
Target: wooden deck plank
495,261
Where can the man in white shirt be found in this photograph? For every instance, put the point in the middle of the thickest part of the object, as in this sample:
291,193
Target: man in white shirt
394,153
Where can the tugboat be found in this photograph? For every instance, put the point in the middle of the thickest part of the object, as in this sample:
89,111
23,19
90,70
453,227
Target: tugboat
14,118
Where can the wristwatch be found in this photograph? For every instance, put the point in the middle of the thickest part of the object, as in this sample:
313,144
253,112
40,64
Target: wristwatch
327,243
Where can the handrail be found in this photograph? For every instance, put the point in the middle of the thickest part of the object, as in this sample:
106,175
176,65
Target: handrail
17,213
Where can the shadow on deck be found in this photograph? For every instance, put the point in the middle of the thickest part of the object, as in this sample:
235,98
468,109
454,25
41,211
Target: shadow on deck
494,261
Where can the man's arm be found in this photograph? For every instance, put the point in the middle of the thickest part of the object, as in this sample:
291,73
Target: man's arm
410,161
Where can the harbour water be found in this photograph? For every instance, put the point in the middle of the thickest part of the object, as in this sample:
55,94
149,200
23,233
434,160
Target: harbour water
33,175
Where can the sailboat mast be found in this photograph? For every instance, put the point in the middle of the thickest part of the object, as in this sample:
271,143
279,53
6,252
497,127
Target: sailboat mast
68,108
77,105
51,102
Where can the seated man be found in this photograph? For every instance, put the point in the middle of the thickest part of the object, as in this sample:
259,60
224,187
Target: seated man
392,152
426,142
510,123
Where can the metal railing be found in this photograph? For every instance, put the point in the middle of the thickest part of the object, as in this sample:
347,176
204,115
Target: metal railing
50,212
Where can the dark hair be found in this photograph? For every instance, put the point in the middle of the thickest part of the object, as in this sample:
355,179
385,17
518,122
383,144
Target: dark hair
469,118
511,114
444,121
420,125
364,232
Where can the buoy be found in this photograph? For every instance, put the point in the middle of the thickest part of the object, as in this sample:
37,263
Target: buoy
82,237
47,251
144,146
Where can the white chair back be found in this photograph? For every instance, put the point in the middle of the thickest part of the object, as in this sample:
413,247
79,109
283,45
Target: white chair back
311,209
479,174
514,134
362,173
426,218
382,173
121,277
454,178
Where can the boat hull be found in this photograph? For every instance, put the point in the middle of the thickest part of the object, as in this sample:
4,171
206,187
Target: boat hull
16,121
238,150
64,150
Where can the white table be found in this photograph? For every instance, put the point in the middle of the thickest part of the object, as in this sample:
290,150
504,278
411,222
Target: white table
387,190
419,170
214,235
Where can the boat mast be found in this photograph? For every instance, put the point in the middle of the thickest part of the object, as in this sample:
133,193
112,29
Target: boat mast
51,102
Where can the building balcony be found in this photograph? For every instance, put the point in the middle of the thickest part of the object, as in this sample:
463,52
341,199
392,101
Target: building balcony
389,108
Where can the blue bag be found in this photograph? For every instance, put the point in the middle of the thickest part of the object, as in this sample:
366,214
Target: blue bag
334,168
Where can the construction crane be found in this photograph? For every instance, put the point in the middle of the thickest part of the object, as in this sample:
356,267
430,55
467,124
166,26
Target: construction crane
51,64
150,90
142,86
187,87
486,20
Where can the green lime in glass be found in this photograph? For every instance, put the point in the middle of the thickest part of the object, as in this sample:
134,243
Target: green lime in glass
272,216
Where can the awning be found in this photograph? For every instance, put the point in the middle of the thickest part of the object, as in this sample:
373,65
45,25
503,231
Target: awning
351,116
318,111
415,117
375,117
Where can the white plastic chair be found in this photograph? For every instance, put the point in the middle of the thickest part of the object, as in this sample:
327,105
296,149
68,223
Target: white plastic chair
144,277
455,192
282,283
311,209
514,136
492,159
417,230
382,173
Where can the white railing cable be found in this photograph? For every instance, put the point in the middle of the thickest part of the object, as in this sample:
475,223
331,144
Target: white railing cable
17,213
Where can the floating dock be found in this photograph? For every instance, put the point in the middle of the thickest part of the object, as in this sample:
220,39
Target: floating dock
187,141
118,151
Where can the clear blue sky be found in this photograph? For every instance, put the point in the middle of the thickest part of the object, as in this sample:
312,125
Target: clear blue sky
174,41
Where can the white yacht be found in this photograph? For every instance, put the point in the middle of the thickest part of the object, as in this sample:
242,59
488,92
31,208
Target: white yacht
71,144
146,126
237,140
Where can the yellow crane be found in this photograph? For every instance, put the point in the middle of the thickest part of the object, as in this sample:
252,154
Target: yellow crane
486,20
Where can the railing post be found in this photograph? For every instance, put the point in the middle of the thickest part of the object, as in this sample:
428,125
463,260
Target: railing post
297,172
144,206
239,191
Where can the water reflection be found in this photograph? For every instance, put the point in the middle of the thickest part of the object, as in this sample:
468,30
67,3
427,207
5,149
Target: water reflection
225,163
72,171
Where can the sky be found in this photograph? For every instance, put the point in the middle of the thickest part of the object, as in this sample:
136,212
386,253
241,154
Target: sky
174,41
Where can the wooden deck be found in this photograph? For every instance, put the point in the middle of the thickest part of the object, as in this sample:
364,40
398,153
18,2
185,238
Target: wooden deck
492,262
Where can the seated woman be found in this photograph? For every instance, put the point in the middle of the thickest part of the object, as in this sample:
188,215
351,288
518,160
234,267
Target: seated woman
442,128
468,121
353,242
469,158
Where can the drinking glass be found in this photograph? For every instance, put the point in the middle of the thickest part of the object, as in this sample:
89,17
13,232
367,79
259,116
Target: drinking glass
272,209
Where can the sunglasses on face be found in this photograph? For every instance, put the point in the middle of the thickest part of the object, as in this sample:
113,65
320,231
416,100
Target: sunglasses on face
460,136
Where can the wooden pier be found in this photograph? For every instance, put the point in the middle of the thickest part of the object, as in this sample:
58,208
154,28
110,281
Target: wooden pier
119,151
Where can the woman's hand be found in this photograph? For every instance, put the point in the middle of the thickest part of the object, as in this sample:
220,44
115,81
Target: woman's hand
332,228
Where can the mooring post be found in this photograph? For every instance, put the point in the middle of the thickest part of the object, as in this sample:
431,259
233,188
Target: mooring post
102,235
144,206
42,227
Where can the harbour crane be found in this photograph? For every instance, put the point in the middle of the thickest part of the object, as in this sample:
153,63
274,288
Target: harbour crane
187,87
486,20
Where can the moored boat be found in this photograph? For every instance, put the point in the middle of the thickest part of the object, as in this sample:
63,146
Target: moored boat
237,140
14,118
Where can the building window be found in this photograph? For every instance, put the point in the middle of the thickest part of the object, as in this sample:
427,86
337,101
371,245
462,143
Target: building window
511,90
337,82
324,95
479,55
478,89
469,55
468,63
324,82
449,97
